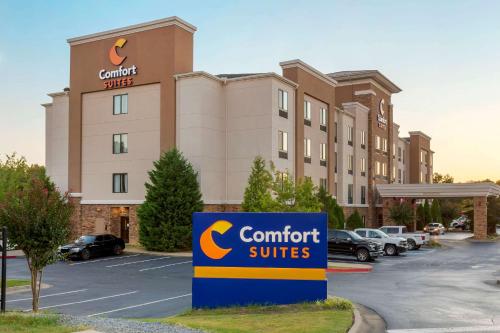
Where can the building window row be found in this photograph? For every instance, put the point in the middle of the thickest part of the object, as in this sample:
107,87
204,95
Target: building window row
283,103
380,169
120,104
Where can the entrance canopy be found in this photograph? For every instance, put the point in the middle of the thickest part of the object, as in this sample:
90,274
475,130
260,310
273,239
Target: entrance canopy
438,190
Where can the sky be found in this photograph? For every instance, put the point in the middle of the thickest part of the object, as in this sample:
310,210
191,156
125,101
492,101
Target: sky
445,55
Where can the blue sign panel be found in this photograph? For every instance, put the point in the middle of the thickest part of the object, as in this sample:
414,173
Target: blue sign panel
259,258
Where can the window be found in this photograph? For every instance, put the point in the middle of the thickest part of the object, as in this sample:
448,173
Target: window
430,159
399,176
384,146
393,172
384,169
322,119
378,146
421,177
399,154
336,162
120,104
307,150
362,233
283,100
363,139
363,195
307,113
393,150
363,166
283,103
349,194
349,135
377,168
322,183
422,156
120,143
363,218
282,177
283,144
322,154
120,183
350,164
336,130
403,156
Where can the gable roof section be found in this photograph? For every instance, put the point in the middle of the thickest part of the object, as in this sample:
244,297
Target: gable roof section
345,76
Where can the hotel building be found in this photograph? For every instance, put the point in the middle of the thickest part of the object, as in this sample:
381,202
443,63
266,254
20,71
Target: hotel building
133,94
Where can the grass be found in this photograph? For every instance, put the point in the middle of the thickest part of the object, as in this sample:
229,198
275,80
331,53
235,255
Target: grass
332,316
28,323
17,283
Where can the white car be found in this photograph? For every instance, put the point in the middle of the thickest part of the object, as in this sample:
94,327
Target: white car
415,240
462,222
392,246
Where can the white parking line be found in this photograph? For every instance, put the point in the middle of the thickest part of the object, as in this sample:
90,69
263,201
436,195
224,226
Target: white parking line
138,305
137,262
84,301
91,261
158,267
476,329
58,294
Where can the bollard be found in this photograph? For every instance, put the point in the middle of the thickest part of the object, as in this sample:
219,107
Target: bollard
4,269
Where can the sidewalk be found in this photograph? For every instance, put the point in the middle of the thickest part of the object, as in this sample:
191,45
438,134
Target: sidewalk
367,321
138,249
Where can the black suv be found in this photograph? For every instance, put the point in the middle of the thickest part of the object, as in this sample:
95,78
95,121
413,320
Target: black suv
348,242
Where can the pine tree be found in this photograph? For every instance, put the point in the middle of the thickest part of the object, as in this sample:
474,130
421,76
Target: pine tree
172,196
257,197
427,212
436,211
354,221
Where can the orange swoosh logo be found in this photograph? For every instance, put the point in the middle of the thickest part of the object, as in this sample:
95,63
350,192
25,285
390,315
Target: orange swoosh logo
114,57
207,243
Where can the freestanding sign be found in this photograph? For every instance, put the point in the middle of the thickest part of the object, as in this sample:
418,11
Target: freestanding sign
259,258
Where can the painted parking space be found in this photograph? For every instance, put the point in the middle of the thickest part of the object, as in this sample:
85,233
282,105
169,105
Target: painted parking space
130,285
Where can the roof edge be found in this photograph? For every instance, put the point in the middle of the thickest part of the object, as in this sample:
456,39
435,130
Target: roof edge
168,21
302,65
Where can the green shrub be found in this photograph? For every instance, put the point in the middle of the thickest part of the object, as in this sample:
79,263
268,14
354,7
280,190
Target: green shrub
172,196
354,221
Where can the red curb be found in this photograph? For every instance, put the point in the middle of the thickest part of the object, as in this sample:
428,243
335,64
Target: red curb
348,270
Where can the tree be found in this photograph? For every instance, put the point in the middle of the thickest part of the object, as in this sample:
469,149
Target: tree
436,211
450,210
172,196
427,212
493,215
402,214
439,178
38,220
306,198
354,221
257,197
334,211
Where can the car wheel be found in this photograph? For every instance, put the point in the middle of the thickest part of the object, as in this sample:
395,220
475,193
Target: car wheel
362,255
117,250
411,244
85,254
390,250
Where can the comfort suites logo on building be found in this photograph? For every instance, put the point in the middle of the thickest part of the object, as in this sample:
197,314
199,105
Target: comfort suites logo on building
250,258
121,77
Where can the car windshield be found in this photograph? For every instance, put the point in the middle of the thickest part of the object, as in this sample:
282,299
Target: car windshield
85,240
381,233
354,235
433,225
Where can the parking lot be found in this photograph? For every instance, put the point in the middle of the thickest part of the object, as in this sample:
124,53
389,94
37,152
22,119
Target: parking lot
128,286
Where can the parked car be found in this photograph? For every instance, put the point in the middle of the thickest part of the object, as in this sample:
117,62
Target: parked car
348,242
89,246
415,240
461,222
391,245
435,229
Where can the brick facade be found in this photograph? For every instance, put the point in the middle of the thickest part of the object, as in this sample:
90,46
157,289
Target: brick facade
480,218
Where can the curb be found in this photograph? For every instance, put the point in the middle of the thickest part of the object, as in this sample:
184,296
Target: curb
156,253
367,320
336,267
21,289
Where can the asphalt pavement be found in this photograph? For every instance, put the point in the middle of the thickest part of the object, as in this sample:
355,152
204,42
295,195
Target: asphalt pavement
127,286
452,289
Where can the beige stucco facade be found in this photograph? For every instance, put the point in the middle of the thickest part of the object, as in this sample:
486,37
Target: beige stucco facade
141,124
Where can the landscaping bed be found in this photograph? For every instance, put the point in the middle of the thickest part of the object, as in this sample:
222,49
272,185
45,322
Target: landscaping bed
333,315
